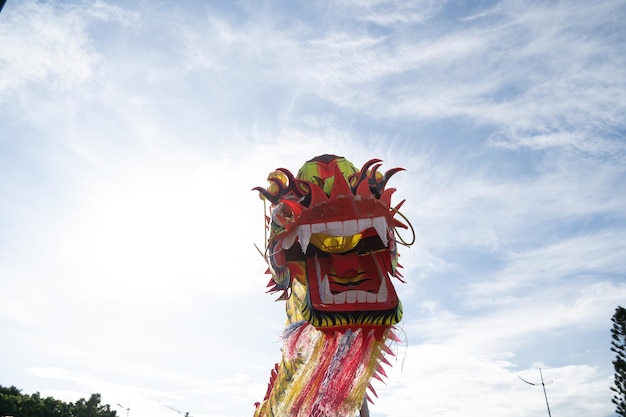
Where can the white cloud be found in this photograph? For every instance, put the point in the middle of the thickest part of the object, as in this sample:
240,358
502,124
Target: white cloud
135,135
50,47
447,380
386,13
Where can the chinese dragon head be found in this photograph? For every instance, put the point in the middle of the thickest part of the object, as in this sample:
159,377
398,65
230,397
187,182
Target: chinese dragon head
332,254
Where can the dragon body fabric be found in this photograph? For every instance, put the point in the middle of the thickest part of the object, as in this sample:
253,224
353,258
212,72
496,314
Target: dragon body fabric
332,254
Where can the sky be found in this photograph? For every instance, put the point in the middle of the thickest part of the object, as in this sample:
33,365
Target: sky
132,133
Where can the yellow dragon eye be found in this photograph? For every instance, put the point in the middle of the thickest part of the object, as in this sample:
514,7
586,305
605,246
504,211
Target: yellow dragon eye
335,244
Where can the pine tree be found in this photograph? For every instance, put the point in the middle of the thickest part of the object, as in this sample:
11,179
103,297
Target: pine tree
618,345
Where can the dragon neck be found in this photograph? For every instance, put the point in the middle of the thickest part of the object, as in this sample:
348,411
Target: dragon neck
324,374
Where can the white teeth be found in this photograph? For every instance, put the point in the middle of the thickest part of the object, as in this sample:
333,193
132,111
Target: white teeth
334,228
381,297
380,224
318,270
289,240
364,223
304,236
339,298
352,296
326,295
344,228
350,228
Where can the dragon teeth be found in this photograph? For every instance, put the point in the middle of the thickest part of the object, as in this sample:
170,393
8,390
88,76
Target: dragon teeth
326,295
339,298
381,297
304,236
380,224
351,296
334,228
364,224
350,227
339,228
289,240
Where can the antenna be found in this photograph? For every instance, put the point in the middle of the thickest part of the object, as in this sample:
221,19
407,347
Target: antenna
186,414
127,408
543,384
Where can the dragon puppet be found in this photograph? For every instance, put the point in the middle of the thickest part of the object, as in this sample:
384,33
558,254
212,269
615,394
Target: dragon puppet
332,251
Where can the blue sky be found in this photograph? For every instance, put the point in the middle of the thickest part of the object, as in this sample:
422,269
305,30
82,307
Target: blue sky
132,134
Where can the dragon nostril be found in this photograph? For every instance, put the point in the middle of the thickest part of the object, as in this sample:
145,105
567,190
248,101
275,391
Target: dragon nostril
347,274
346,265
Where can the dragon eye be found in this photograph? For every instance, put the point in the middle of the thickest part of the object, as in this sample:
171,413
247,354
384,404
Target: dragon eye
335,244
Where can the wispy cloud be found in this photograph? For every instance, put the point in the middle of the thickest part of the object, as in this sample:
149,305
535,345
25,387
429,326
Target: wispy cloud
443,380
51,48
131,136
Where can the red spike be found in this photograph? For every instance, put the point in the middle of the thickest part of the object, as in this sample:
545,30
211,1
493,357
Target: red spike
267,271
317,195
388,350
397,208
371,388
391,335
369,400
399,277
363,189
381,371
340,185
385,361
397,223
385,196
284,296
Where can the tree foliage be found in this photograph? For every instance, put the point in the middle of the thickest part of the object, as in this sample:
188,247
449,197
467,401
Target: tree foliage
14,403
618,345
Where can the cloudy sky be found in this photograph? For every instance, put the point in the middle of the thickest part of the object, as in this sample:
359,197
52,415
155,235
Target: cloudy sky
131,134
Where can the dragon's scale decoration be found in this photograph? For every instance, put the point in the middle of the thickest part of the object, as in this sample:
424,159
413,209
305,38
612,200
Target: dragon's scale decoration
331,251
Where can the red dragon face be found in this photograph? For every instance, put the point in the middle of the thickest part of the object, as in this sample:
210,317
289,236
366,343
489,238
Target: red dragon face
332,231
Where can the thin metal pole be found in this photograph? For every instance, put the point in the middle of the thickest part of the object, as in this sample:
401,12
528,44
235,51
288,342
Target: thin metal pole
543,384
365,412
544,392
